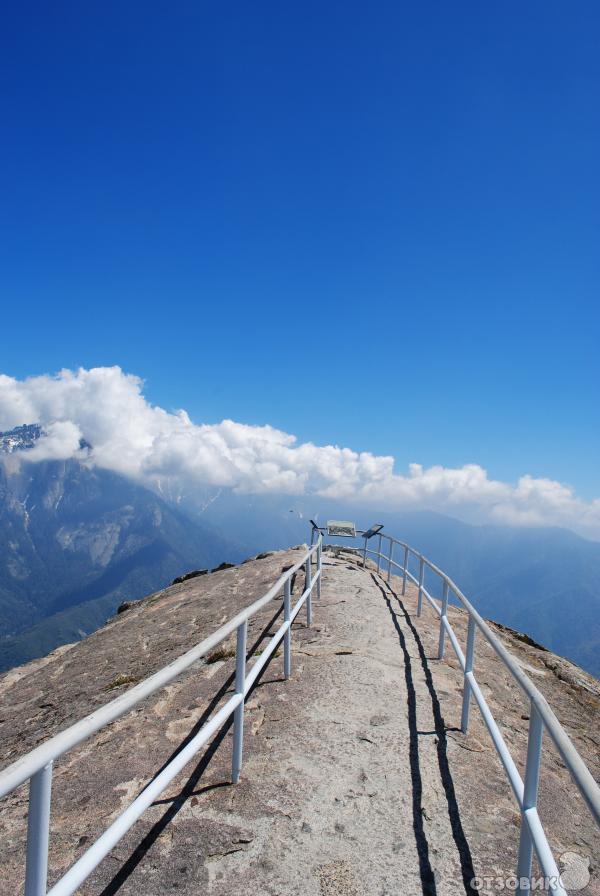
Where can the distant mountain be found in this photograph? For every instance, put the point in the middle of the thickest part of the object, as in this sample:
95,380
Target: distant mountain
75,541
542,581
20,438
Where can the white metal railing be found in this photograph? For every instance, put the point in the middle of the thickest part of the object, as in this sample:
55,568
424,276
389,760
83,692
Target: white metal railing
541,717
36,766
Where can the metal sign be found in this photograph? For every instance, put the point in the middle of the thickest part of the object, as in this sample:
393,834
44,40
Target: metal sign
375,528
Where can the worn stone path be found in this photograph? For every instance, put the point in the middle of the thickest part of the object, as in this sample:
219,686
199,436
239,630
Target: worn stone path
356,779
359,795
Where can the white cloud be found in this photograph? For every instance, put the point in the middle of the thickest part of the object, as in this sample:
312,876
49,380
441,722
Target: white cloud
107,408
61,440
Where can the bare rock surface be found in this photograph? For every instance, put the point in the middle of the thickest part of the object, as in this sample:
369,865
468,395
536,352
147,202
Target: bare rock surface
356,777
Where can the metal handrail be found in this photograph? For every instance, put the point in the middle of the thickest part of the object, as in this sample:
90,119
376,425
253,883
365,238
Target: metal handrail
541,717
36,766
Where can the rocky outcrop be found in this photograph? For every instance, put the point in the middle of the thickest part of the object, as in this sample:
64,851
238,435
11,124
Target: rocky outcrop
189,575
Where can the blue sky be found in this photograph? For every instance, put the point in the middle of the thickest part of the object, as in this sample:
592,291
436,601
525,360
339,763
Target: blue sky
374,226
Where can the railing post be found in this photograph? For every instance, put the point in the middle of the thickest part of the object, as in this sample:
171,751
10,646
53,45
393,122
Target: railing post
365,554
379,556
319,568
308,583
421,577
287,638
238,715
442,640
405,569
464,724
530,795
38,832
390,558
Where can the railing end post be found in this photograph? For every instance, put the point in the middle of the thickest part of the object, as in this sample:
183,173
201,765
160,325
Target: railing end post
530,797
308,585
319,567
469,655
443,615
38,832
421,580
287,638
238,714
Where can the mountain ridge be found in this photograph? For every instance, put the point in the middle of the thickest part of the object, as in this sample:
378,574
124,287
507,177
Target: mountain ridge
75,541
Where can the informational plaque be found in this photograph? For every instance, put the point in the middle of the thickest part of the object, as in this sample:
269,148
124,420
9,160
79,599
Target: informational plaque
341,528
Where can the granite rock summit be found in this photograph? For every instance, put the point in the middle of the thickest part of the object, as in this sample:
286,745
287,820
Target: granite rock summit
357,779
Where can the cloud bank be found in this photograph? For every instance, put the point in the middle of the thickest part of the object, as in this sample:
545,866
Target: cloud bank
106,407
